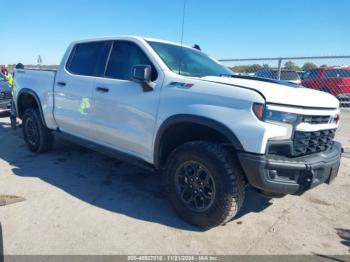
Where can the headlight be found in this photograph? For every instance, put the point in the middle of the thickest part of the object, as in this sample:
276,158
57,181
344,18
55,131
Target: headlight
265,114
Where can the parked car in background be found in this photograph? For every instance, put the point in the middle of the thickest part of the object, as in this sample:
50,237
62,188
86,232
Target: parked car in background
301,74
334,80
5,94
286,75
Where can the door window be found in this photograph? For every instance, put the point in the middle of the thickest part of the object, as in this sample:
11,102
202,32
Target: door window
124,56
89,59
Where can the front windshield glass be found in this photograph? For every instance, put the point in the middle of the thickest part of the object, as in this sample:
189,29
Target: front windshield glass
187,61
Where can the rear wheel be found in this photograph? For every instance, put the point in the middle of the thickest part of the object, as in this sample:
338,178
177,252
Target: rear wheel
37,137
205,183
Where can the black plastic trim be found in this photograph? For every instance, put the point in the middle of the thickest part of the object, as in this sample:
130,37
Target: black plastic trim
36,97
184,118
306,172
136,161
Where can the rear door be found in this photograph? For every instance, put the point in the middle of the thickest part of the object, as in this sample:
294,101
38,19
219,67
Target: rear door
74,86
124,114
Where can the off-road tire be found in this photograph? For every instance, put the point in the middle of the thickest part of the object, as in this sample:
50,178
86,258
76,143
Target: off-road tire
45,137
228,179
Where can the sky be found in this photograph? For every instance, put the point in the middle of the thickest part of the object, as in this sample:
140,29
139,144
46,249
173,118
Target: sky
223,28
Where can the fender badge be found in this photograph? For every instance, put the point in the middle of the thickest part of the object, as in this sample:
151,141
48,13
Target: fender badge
181,85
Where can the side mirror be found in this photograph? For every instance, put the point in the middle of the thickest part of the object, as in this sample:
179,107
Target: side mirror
142,74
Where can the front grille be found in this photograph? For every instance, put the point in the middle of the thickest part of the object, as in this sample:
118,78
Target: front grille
5,95
316,119
305,143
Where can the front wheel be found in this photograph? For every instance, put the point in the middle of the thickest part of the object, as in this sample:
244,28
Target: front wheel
37,137
205,183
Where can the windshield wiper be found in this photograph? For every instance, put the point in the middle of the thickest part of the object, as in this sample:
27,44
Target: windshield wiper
227,75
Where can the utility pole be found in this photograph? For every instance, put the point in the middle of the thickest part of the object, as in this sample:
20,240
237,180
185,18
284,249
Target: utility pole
39,61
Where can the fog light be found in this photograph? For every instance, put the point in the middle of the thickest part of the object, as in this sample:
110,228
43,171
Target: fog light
273,174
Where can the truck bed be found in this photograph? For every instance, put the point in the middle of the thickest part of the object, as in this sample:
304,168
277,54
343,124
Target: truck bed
41,82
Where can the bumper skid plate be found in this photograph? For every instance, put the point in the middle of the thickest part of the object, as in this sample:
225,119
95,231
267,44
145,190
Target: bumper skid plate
291,175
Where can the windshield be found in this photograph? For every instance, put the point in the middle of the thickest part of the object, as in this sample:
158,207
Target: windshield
337,73
188,62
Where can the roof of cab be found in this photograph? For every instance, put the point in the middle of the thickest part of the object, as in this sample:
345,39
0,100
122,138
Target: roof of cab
127,37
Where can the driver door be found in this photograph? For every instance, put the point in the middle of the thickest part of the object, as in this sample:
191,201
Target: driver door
124,115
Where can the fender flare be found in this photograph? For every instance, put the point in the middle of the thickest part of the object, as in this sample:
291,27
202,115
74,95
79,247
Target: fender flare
187,118
37,100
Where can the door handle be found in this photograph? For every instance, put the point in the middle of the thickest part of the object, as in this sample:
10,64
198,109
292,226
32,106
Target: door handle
61,83
102,89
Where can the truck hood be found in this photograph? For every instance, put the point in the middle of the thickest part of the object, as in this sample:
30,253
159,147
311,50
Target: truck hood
280,93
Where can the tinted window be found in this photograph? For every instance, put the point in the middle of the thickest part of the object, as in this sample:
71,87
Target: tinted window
289,75
266,74
89,58
337,73
124,56
310,74
285,75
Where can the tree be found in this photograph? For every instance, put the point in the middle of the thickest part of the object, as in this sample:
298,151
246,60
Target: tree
248,68
290,65
309,66
253,68
324,65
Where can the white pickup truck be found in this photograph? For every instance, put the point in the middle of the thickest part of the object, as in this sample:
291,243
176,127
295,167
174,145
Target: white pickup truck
172,109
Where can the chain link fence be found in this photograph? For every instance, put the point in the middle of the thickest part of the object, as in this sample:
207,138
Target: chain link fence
329,74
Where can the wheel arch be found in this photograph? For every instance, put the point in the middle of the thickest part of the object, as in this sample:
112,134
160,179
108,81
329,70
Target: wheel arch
170,128
28,98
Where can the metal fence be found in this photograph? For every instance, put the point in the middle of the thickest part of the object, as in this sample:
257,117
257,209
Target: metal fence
325,73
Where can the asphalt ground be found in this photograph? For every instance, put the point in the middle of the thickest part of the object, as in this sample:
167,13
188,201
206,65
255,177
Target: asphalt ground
76,201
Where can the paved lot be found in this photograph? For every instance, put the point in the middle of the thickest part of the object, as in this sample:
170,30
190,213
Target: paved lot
81,202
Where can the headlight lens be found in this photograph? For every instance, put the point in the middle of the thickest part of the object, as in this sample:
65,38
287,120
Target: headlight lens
265,114
278,116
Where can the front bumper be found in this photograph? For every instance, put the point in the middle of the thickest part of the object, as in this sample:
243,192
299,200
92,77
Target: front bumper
5,104
291,175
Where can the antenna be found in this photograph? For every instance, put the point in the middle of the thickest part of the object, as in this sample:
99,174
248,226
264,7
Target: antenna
183,21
